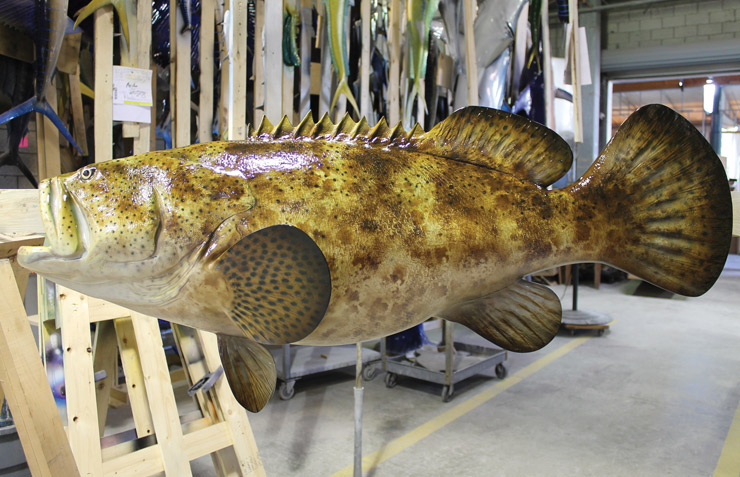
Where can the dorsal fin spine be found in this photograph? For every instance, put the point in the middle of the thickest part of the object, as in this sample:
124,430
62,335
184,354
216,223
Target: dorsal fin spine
264,127
283,128
304,128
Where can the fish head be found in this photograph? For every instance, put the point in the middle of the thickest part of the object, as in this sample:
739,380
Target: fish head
130,221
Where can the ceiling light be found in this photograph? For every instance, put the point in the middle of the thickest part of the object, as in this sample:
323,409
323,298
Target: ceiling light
709,89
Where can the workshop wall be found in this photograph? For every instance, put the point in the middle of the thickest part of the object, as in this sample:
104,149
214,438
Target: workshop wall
684,23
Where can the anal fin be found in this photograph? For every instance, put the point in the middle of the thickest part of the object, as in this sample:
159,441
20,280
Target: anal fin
523,317
250,371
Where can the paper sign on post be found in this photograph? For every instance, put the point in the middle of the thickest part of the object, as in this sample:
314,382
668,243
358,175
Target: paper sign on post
132,94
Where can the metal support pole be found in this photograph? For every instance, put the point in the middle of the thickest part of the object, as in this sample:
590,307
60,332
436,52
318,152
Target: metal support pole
575,286
358,413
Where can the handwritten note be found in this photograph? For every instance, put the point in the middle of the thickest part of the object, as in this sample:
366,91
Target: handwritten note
132,94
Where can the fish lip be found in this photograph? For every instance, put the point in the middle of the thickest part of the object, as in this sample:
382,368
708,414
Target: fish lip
50,191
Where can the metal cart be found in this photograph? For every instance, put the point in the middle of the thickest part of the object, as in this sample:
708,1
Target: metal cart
295,362
486,359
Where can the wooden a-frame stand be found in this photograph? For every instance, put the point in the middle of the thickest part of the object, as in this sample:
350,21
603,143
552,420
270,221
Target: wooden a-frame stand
223,430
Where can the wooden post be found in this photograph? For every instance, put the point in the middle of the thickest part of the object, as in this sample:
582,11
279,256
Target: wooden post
205,102
26,388
273,32
288,73
47,139
575,70
238,71
259,63
180,75
103,84
471,64
365,60
143,42
394,76
82,412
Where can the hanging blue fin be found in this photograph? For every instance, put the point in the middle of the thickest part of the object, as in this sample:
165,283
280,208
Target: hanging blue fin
43,107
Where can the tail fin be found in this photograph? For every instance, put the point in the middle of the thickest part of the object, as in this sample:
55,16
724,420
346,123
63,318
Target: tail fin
343,88
667,200
43,107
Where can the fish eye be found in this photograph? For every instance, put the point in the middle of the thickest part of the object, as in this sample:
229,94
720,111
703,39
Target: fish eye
87,173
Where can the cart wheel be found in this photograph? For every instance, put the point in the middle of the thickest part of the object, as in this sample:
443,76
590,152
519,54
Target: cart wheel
601,332
447,392
572,331
286,390
501,371
391,379
369,373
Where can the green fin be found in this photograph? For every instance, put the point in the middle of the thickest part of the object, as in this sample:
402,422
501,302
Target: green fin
280,283
343,89
119,5
502,141
522,317
667,200
249,369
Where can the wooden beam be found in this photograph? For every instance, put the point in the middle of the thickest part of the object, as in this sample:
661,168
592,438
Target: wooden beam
78,115
735,212
79,381
205,102
365,59
135,382
105,358
273,33
394,75
26,387
575,70
103,117
180,96
143,140
16,44
21,212
471,64
161,397
259,63
47,140
238,71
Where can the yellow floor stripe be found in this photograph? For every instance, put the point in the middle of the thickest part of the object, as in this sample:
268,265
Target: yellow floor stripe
729,460
407,440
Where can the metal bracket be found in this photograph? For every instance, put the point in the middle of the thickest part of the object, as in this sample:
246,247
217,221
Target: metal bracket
206,382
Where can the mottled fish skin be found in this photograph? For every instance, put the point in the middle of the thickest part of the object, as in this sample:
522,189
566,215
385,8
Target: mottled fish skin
409,226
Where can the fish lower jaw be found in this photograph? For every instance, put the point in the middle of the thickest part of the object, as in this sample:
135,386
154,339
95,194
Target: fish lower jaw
29,256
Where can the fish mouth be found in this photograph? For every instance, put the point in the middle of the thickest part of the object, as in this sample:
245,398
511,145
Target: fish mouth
64,224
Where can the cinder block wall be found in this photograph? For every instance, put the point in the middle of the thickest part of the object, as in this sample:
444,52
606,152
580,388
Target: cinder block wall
679,24
10,176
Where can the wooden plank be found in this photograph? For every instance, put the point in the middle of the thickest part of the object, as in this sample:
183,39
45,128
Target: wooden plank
288,74
471,66
394,74
103,117
69,54
105,358
27,389
20,211
101,310
205,102
238,72
146,461
135,381
50,163
143,140
365,59
575,68
547,60
79,381
78,115
273,33
208,440
10,248
245,445
180,52
188,346
223,103
161,397
735,195
259,63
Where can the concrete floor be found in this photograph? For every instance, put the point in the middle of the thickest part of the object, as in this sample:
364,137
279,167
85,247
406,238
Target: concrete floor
656,395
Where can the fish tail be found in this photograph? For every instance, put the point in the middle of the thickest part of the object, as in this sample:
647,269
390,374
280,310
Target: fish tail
343,88
665,197
119,5
43,107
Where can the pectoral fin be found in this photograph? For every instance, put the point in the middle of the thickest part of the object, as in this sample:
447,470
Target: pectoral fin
280,284
249,369
522,317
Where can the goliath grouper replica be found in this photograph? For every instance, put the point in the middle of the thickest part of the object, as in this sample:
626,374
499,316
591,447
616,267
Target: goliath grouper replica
331,234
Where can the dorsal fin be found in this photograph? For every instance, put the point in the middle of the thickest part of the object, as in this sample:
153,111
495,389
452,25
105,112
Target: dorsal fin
344,126
323,128
361,129
502,141
283,128
380,131
305,127
265,127
417,131
398,132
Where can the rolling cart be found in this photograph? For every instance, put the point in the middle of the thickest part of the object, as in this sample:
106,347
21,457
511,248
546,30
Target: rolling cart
296,362
482,358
